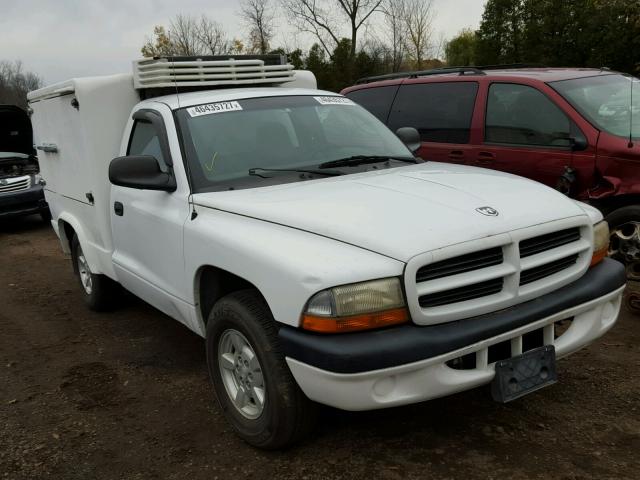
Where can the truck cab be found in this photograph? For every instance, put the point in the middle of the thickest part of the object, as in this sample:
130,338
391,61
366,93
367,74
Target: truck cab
319,258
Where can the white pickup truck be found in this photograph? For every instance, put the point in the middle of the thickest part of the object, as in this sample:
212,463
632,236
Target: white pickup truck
320,259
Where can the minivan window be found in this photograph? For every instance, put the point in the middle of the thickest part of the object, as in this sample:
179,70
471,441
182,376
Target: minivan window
522,115
441,112
605,100
145,141
377,100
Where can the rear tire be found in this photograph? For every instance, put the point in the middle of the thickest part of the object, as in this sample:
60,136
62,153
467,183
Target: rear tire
100,292
251,380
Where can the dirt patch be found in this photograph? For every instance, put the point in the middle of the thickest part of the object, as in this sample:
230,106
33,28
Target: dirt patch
91,385
125,395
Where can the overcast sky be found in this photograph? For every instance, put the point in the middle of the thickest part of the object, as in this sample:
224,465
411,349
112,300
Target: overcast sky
61,39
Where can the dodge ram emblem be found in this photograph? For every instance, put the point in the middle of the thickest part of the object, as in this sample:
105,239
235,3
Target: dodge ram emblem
488,211
3,181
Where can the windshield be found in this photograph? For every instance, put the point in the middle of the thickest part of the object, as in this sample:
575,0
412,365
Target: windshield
605,101
225,140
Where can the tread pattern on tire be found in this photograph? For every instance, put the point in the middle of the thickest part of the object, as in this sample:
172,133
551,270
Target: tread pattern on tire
253,303
103,296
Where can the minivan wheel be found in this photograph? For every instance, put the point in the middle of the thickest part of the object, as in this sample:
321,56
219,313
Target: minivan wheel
100,292
252,383
624,225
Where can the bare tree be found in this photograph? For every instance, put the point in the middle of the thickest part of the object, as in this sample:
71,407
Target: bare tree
326,19
394,15
188,35
418,18
183,32
211,36
15,83
259,17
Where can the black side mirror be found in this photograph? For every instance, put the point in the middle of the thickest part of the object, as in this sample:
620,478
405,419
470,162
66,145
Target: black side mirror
142,172
410,137
578,143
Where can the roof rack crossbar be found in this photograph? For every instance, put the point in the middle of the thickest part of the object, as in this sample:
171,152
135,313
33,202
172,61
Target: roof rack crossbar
423,73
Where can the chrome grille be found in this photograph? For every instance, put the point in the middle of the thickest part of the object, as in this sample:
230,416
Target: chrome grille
461,281
15,184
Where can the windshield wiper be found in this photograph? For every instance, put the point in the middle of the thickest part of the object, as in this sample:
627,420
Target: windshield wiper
364,159
254,171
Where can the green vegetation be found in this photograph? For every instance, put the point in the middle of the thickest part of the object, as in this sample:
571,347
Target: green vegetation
569,33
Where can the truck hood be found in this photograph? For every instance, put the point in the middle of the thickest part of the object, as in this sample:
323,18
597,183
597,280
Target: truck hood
16,134
402,212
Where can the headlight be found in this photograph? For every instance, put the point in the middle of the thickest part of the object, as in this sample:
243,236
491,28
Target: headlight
358,306
600,242
37,178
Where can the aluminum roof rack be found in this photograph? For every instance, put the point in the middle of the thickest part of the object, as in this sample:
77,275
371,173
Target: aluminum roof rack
211,71
511,66
423,73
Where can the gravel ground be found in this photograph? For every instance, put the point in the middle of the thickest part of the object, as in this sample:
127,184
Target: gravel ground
126,395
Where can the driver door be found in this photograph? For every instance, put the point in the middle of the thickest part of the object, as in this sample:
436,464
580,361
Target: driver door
147,226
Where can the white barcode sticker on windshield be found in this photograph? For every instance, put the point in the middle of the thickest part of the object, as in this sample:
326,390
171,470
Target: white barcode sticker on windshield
211,108
334,101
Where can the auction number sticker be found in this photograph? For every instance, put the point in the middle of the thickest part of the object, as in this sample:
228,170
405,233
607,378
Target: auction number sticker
333,101
211,108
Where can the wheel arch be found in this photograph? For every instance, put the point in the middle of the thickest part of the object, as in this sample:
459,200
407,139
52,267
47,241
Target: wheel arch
68,226
211,283
609,204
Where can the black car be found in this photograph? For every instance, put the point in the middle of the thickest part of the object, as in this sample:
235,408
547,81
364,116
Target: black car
21,191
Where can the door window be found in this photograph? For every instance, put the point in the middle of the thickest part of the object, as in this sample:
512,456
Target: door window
522,115
441,112
145,141
377,100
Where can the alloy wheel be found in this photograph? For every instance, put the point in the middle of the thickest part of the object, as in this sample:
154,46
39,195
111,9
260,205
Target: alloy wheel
241,374
85,272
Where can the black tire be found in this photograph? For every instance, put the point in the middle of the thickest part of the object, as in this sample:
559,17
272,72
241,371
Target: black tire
287,415
618,218
103,292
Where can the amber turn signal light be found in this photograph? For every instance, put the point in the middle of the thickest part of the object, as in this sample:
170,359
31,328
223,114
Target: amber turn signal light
600,242
355,323
599,256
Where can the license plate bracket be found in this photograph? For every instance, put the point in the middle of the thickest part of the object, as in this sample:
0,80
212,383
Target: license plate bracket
523,374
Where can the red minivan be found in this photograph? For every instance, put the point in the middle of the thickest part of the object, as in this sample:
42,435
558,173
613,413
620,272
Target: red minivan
574,129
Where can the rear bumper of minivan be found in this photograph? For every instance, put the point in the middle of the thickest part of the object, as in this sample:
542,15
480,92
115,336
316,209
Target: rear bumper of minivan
409,363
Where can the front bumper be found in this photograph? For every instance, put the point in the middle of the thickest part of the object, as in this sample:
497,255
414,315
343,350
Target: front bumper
24,202
409,364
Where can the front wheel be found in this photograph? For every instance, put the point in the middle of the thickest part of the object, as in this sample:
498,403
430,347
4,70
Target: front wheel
100,292
252,382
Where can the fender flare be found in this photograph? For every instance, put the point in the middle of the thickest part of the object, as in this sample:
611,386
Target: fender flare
83,238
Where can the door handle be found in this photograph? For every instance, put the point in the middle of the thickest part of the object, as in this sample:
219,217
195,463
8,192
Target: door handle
486,157
118,208
456,155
